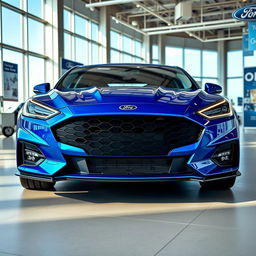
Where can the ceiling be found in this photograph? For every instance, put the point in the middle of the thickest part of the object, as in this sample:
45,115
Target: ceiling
208,21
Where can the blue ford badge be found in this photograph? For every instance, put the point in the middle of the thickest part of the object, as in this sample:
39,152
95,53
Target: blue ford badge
128,107
246,13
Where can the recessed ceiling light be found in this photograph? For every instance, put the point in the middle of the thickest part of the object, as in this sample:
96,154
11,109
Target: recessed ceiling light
134,23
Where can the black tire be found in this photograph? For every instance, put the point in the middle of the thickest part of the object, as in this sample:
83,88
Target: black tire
8,131
219,184
36,184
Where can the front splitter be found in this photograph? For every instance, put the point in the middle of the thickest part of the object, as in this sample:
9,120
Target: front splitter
101,178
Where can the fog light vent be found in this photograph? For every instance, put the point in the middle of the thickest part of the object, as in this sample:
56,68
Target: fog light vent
32,154
227,155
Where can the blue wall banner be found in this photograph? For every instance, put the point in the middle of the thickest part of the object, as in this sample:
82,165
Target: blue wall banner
10,76
239,101
250,97
246,51
252,35
68,64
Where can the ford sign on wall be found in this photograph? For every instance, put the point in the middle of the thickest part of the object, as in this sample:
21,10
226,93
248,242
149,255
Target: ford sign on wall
246,13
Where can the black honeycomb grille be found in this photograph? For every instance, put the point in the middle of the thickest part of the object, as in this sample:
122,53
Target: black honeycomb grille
127,135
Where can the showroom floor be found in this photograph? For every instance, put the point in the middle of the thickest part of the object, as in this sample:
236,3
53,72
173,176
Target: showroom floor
128,219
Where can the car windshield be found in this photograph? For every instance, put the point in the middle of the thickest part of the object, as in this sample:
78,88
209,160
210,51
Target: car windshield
126,76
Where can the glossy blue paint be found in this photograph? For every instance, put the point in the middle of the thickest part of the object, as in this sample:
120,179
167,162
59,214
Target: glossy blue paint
41,88
149,101
213,88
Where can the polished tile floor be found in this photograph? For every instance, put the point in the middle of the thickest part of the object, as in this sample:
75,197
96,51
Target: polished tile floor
128,219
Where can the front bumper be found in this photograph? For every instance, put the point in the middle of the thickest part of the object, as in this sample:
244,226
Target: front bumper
199,155
100,178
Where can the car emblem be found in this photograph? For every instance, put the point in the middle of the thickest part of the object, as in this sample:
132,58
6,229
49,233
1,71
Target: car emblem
246,13
128,107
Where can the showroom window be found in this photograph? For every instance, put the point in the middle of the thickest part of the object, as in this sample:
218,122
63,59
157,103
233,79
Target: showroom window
155,54
35,36
81,25
67,19
36,69
12,31
235,77
15,3
195,62
124,48
81,38
23,41
192,63
174,56
36,7
209,67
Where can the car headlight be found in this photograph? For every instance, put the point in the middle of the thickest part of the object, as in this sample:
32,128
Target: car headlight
36,109
216,110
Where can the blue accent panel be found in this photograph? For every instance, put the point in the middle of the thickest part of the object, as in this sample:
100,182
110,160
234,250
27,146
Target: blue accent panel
126,177
71,150
25,135
45,168
186,150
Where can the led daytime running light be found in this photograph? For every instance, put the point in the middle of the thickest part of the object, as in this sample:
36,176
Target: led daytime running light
26,112
212,106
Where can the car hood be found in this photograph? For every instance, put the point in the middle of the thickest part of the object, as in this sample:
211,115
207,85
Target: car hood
145,99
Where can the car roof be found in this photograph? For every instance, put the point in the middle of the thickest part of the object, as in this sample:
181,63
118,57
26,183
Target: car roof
129,64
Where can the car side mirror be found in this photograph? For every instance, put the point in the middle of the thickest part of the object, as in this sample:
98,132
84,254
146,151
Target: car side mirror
41,88
213,88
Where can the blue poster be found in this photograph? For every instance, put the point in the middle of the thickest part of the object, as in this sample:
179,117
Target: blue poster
246,51
10,76
252,35
239,101
250,97
68,64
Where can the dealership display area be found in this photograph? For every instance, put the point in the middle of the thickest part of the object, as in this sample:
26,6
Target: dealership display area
126,155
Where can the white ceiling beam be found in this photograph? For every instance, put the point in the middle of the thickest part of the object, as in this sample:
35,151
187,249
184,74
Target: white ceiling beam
108,3
154,13
202,28
199,24
222,39
128,25
137,10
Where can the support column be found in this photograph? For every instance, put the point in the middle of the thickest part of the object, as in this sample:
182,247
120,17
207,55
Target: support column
105,34
54,47
161,49
222,64
147,49
59,40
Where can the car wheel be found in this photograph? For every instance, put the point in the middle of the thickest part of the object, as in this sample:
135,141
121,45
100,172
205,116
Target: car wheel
36,184
8,131
220,184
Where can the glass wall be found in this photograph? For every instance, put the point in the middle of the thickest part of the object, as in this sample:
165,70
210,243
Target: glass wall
235,77
201,64
125,48
23,44
81,38
155,54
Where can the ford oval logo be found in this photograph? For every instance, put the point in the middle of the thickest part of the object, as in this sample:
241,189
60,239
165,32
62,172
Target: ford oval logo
69,65
128,107
247,13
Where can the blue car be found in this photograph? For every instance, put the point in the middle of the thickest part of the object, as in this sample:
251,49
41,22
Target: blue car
127,122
